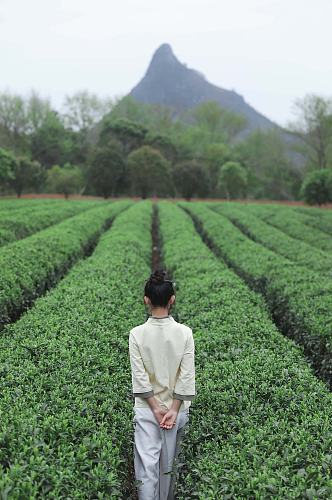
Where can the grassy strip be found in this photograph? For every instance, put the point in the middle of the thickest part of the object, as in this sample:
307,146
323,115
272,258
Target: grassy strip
294,224
31,266
66,400
261,422
296,250
300,299
23,223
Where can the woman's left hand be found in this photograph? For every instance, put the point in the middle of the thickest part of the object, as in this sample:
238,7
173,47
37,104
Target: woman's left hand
159,413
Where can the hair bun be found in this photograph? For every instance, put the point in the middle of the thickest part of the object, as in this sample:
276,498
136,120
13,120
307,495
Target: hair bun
158,276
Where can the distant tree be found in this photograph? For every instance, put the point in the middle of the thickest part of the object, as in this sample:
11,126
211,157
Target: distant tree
13,121
84,109
163,143
270,173
51,143
81,116
37,109
233,179
220,122
129,109
190,179
7,167
156,117
314,127
191,142
66,180
107,170
20,117
149,172
130,134
27,174
39,178
317,187
163,118
214,156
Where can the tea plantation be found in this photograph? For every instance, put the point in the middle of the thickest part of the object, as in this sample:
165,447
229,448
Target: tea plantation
253,281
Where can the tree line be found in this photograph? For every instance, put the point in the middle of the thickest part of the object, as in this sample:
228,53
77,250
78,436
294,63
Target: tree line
121,147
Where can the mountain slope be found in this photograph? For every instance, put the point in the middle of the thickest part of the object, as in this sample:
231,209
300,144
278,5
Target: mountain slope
170,83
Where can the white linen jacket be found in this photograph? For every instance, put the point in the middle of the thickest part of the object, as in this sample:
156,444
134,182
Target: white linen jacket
162,359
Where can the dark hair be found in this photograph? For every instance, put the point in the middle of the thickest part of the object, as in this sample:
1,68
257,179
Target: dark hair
158,288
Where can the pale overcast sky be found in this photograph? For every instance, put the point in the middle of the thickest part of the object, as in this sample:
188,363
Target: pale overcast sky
269,51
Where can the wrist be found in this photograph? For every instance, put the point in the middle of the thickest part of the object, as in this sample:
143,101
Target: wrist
153,403
176,404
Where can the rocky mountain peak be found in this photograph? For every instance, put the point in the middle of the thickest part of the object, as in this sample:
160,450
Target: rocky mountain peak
171,83
162,60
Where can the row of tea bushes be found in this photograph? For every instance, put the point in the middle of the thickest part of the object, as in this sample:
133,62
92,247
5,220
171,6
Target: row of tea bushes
255,228
313,211
6,236
19,224
31,266
321,221
294,224
17,206
260,425
300,299
10,204
66,397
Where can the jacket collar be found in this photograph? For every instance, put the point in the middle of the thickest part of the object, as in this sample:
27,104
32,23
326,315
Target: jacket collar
160,321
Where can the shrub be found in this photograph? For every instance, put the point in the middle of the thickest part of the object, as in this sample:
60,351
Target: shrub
317,187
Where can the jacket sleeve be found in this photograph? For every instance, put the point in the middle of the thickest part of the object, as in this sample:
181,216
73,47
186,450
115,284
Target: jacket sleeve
185,384
140,379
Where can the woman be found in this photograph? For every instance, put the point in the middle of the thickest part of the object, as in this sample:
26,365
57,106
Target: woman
162,362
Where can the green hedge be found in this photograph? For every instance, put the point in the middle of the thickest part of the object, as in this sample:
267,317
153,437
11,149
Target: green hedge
296,250
18,224
6,236
18,203
66,397
31,266
300,299
316,212
261,421
294,224
321,220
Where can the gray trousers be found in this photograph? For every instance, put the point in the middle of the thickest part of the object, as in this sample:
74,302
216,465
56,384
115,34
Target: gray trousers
156,453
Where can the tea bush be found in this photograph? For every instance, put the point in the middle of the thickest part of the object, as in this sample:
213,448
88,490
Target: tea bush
269,236
18,224
299,299
260,425
31,266
66,401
